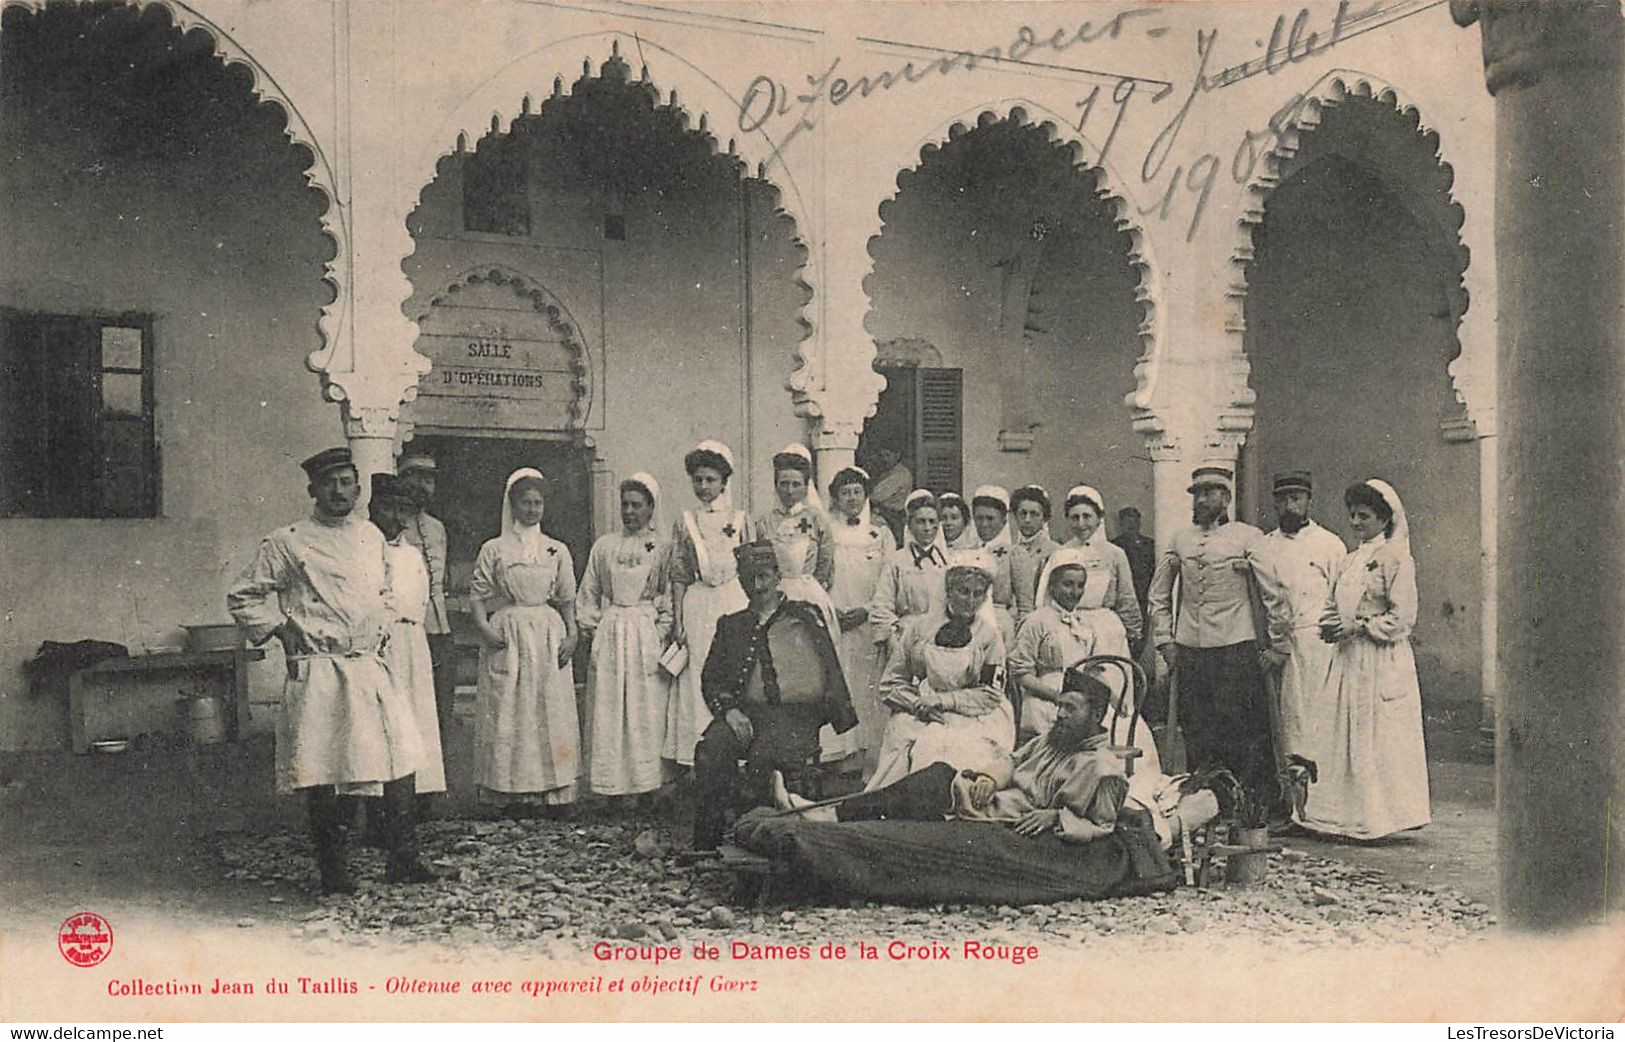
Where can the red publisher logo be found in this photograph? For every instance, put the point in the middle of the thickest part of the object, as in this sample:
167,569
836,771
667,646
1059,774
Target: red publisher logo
84,938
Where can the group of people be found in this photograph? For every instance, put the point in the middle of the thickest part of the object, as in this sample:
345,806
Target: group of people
808,640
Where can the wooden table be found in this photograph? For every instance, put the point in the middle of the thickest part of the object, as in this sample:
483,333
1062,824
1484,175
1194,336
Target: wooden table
232,664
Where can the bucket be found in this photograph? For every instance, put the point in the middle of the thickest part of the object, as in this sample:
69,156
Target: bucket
204,720
1247,869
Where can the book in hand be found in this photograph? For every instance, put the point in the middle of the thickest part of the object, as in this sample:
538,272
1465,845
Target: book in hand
674,660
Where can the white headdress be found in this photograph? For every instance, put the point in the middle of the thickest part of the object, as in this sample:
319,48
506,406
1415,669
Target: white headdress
1065,557
795,448
528,537
1402,528
1002,497
938,543
646,481
865,515
724,502
981,561
1098,502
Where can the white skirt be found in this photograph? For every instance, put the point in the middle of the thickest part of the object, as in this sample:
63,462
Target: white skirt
626,703
1373,772
687,716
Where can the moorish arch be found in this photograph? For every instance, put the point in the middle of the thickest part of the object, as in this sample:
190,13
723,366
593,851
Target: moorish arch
1429,166
1353,291
1113,189
1019,262
318,171
508,99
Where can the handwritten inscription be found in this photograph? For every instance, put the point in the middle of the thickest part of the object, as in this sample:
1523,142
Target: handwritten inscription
767,100
772,106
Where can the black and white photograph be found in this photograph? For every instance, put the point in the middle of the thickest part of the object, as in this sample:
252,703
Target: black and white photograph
878,510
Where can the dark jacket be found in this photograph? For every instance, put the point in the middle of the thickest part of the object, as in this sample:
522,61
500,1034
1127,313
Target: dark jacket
741,645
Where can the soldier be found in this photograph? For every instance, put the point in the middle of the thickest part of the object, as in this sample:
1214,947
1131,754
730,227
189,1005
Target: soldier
344,728
1212,647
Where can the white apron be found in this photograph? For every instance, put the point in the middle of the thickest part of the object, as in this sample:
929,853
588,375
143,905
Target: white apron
860,554
793,547
407,656
963,742
527,738
626,692
717,593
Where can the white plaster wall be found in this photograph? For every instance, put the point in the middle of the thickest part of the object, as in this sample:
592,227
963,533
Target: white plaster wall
225,249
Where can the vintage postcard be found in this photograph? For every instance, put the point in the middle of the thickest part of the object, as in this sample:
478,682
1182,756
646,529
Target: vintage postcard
516,510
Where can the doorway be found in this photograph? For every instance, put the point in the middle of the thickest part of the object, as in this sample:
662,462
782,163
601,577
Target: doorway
468,495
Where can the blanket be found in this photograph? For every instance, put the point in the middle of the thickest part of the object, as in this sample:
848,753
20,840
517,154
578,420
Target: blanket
962,862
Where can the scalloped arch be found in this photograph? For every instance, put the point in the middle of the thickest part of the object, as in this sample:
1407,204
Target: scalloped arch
747,150
318,173
543,303
1468,372
1109,187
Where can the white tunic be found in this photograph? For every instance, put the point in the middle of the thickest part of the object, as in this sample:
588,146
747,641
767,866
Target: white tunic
342,720
1295,578
407,654
1373,772
860,554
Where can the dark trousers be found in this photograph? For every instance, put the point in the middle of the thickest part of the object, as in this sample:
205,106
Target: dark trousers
443,657
785,739
925,795
330,816
1223,713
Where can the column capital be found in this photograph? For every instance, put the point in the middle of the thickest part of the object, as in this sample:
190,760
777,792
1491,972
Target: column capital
834,435
1525,39
370,421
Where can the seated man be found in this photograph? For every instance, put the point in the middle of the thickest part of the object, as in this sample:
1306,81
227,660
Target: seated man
771,681
1066,782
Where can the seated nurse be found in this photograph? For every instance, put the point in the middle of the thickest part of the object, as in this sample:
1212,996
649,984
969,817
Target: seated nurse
944,682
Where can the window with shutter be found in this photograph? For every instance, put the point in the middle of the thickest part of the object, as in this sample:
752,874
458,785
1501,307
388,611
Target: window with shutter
77,436
939,428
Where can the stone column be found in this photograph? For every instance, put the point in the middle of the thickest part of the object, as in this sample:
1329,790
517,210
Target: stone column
835,447
1555,72
371,434
1489,581
369,366
1170,502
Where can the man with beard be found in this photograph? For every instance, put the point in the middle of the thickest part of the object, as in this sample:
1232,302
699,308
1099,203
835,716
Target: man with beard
771,681
1301,559
344,727
1067,782
417,473
1212,647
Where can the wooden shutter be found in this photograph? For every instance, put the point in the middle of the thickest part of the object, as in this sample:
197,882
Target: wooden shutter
939,428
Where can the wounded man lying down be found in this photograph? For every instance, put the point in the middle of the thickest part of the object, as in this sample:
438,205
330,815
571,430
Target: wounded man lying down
1067,781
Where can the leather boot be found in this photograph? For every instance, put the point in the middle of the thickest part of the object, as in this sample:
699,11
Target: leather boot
328,832
400,806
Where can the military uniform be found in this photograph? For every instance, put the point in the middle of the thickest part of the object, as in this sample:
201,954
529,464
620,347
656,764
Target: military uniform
1222,707
783,674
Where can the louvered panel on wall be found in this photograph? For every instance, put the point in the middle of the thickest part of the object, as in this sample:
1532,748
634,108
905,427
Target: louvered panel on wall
939,428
